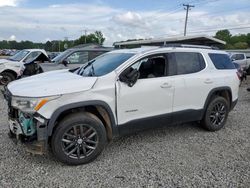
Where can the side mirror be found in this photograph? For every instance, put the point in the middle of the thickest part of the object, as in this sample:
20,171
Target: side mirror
65,63
129,76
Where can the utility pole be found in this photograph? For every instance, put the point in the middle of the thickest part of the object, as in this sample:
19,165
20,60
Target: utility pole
188,8
85,35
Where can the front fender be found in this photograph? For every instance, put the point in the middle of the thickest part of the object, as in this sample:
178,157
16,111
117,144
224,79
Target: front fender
59,111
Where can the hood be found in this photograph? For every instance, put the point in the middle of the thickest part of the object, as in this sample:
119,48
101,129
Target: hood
10,64
6,61
51,83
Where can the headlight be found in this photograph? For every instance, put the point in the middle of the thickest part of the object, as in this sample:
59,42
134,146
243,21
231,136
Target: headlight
30,105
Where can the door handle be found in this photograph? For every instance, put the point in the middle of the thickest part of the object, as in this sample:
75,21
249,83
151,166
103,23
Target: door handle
208,81
166,85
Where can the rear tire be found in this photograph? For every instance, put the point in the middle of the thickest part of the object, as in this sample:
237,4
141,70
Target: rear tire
216,114
7,77
78,139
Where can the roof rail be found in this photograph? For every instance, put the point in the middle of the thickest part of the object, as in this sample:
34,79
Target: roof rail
178,45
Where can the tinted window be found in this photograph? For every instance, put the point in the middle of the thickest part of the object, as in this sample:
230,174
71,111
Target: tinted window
221,61
188,62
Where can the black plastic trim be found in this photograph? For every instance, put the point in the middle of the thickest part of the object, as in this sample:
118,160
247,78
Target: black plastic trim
160,121
62,109
213,91
233,104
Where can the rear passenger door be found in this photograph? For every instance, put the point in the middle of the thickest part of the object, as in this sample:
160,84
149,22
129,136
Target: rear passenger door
192,84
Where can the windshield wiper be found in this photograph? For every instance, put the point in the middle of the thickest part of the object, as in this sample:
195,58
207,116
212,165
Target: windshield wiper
92,72
82,69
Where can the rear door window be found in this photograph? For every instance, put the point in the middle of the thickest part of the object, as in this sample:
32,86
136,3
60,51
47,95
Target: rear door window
185,63
221,61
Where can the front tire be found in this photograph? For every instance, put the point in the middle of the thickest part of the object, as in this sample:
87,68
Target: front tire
78,139
216,114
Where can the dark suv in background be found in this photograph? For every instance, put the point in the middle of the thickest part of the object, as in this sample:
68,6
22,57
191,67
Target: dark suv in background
75,57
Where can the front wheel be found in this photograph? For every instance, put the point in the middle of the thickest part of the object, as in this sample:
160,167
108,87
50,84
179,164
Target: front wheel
78,139
216,114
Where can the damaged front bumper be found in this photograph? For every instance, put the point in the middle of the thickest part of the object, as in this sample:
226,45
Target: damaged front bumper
31,130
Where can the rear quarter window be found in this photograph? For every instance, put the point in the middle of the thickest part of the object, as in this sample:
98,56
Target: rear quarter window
221,61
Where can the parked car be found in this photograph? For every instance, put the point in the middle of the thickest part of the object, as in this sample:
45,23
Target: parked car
52,55
74,57
242,74
121,92
9,68
33,66
241,59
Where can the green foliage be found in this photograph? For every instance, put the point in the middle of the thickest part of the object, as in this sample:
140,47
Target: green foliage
241,41
223,35
241,45
96,37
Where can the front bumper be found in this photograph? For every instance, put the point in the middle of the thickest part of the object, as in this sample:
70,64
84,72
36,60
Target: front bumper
36,142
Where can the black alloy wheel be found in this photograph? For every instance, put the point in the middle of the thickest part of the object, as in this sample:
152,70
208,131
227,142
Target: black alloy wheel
79,138
216,114
79,141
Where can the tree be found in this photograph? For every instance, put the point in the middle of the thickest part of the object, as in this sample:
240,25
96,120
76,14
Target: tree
224,35
48,46
100,37
241,45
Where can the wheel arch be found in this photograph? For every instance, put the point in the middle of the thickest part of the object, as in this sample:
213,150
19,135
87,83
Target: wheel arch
224,92
10,71
99,108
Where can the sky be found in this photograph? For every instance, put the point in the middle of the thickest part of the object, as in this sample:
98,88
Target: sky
43,20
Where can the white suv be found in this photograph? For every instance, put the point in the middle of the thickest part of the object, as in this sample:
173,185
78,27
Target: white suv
77,112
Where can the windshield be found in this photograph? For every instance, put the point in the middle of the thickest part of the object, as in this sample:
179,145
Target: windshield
103,64
61,56
19,56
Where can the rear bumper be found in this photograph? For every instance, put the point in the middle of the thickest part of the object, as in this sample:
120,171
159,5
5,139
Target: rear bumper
233,104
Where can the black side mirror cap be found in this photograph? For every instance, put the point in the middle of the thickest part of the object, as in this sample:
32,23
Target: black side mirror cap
65,63
130,76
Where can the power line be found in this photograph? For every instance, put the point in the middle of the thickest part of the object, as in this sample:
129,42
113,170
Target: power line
188,8
216,29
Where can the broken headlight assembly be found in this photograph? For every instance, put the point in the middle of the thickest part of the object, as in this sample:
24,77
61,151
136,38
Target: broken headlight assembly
30,105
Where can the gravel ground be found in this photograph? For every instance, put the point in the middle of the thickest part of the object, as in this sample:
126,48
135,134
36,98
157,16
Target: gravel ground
175,156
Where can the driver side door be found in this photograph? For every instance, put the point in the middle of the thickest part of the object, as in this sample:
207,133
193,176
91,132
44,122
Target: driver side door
148,103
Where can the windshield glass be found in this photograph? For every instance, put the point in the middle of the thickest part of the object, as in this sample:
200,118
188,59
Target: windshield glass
104,64
61,56
19,56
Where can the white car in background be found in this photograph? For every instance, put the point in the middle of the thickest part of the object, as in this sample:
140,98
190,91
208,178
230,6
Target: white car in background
9,68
